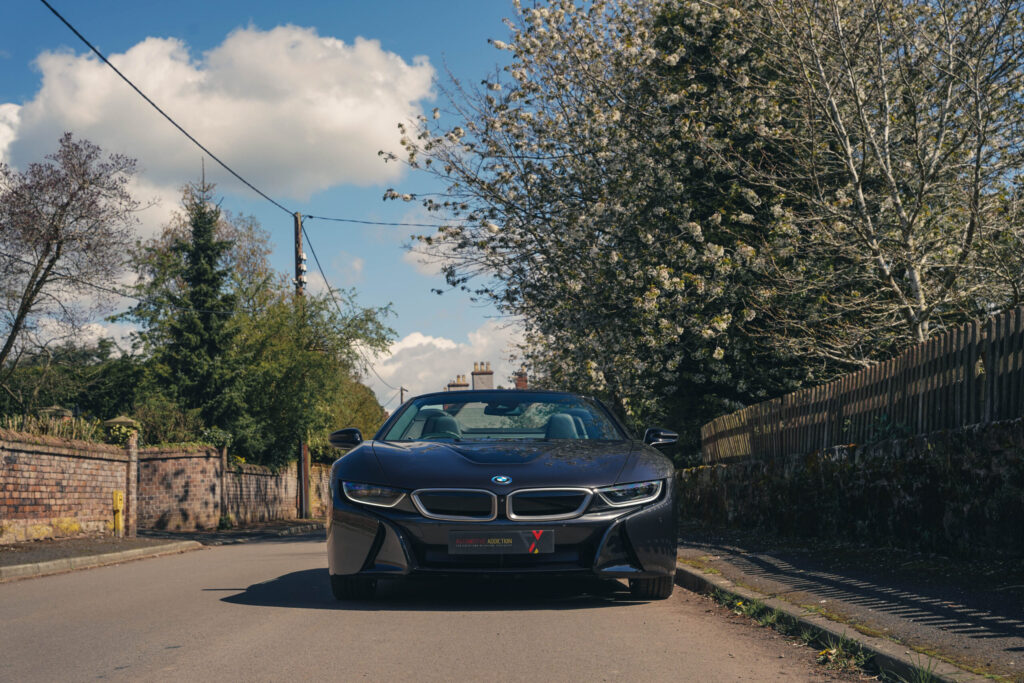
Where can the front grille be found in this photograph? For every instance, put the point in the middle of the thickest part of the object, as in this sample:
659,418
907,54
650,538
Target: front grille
547,504
456,504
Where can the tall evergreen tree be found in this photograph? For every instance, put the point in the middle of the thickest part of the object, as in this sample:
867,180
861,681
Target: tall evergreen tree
199,329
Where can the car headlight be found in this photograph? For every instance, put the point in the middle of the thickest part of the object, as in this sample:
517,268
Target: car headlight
630,494
371,494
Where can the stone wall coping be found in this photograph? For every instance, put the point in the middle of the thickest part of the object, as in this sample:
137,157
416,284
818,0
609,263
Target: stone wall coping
174,454
62,447
24,437
177,448
258,470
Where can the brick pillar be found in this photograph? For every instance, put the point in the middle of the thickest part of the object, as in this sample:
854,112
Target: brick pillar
131,487
223,481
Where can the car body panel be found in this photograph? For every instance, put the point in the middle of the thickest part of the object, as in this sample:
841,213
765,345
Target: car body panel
425,464
375,542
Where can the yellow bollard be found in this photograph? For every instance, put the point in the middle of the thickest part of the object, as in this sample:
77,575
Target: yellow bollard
119,513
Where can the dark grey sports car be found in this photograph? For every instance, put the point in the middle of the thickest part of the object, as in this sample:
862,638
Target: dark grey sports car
502,482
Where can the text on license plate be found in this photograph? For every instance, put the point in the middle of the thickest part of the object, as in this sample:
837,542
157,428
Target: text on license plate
528,542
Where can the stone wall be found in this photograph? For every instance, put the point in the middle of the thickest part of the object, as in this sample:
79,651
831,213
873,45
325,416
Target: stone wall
953,492
51,487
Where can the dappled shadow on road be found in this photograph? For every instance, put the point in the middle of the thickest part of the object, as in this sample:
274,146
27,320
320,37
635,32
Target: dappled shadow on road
310,589
953,605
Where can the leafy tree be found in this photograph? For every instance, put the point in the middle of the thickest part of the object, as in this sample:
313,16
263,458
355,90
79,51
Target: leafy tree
293,362
301,360
63,226
94,380
903,121
584,198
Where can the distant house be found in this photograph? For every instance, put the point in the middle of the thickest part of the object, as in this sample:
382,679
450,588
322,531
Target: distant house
483,378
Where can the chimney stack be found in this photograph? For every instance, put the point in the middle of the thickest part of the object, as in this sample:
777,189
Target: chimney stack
483,377
458,384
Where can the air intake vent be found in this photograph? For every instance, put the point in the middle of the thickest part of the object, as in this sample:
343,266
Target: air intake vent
548,504
458,505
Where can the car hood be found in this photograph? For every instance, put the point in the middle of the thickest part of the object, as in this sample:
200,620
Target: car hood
428,464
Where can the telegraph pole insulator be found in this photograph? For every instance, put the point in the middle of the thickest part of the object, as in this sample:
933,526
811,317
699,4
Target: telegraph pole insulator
300,258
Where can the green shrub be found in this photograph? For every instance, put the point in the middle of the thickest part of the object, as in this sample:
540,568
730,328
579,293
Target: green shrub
77,428
163,421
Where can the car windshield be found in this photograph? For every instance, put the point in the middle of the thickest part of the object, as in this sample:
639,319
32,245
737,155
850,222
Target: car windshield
506,415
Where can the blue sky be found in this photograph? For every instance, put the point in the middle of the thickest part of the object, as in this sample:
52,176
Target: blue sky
296,96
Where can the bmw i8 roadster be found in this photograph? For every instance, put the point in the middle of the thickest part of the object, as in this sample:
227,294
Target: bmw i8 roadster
503,482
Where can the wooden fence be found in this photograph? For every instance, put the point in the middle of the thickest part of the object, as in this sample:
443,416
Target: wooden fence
970,375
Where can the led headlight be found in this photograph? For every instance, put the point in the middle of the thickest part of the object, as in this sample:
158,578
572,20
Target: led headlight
630,494
371,494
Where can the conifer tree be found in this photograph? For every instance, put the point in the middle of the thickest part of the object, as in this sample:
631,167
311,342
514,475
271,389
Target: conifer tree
199,329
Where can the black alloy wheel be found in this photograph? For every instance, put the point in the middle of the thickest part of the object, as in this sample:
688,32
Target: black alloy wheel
658,588
352,587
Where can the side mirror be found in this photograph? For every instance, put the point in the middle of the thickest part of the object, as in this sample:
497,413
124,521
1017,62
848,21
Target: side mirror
656,436
345,438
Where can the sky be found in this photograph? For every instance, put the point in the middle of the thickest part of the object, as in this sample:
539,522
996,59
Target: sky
297,97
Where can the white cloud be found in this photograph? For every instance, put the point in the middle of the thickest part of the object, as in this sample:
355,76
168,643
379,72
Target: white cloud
425,264
345,269
422,363
315,283
55,332
9,116
156,205
292,111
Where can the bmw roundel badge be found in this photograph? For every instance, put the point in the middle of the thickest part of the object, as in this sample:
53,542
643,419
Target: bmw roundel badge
501,479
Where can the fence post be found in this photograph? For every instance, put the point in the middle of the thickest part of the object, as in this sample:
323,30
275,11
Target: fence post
1015,354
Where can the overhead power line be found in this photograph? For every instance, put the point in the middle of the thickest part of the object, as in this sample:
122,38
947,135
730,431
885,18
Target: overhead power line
239,177
203,147
362,222
337,305
162,112
389,401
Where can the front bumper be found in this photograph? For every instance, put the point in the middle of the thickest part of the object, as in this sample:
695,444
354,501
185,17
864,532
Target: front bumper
383,542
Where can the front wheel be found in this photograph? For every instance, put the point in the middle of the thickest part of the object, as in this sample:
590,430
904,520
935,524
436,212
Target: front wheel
658,588
352,587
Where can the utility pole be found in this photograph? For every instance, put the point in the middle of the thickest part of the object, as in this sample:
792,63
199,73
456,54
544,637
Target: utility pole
300,290
401,395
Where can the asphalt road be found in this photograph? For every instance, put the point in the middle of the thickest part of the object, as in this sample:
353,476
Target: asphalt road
263,611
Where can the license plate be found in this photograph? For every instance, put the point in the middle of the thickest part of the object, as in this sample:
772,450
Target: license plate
529,542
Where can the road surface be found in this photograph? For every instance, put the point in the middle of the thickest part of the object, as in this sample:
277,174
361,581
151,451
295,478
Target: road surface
263,611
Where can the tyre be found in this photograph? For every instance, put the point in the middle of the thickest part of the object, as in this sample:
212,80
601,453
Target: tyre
352,587
658,588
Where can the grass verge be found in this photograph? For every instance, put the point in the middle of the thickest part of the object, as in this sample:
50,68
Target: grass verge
841,654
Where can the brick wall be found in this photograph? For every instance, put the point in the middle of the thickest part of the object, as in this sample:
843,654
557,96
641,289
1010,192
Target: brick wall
50,487
256,494
179,490
182,491
319,489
